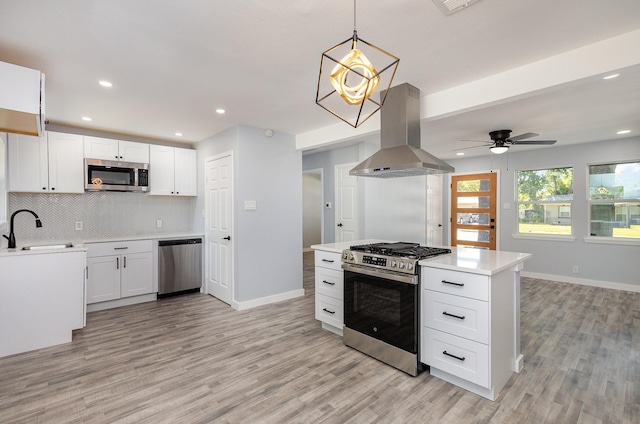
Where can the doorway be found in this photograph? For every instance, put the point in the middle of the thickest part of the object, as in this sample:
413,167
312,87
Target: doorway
312,208
219,226
473,210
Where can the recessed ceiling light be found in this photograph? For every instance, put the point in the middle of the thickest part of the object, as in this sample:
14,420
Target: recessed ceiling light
624,132
460,154
220,111
612,76
179,134
105,83
86,118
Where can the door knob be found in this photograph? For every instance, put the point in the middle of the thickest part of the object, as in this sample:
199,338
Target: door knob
226,238
340,224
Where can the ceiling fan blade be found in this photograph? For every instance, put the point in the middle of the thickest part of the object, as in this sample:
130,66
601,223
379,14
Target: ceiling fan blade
536,142
522,136
473,147
478,141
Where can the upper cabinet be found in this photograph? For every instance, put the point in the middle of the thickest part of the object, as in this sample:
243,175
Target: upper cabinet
172,171
22,100
117,150
52,163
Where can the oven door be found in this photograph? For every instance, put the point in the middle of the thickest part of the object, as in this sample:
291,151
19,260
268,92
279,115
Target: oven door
382,305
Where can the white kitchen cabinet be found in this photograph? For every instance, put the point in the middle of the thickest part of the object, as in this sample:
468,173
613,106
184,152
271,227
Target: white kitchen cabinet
119,269
49,164
329,284
172,171
116,150
468,328
41,299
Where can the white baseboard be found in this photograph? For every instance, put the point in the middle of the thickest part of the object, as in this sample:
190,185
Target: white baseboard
125,301
239,306
583,281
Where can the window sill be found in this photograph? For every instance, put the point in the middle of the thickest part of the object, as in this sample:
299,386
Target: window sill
613,240
545,237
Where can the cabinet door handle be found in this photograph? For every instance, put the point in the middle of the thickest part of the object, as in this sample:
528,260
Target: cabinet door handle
453,284
326,310
459,358
328,260
117,263
329,282
124,263
452,315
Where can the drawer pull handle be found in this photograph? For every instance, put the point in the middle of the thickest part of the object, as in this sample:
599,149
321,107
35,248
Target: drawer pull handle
453,356
326,310
120,248
329,282
328,260
453,284
452,315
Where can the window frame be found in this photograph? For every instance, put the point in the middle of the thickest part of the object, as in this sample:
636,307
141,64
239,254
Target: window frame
570,203
590,238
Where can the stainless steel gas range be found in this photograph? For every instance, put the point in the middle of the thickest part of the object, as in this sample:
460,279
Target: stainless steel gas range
381,301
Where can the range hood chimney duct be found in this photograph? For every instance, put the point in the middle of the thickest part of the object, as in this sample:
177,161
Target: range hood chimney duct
400,154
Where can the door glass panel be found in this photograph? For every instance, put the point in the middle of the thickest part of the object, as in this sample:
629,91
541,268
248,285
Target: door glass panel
472,186
473,202
473,218
473,235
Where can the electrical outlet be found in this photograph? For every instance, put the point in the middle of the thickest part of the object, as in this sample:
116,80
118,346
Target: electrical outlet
158,223
575,269
78,225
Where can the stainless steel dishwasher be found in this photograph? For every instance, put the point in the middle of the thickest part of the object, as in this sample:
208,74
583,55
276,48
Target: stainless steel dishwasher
179,266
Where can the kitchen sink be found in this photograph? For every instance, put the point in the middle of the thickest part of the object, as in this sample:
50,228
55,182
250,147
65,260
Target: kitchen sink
49,246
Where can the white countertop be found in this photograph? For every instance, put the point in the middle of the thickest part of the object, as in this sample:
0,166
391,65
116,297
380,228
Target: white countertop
465,259
477,261
79,245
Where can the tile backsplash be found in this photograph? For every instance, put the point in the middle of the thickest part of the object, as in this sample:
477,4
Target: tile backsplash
103,215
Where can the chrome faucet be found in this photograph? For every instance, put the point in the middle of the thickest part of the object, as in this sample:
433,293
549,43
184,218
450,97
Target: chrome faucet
12,236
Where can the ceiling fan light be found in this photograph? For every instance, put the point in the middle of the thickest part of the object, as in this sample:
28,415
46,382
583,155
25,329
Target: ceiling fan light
498,150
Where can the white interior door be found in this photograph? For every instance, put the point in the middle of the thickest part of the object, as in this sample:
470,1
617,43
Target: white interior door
219,226
346,203
434,210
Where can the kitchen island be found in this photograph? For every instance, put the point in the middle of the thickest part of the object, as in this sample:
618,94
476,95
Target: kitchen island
469,324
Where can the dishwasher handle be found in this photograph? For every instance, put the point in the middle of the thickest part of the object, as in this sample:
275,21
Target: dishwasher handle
162,243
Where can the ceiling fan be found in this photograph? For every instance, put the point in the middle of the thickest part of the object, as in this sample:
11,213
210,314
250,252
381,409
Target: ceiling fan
501,141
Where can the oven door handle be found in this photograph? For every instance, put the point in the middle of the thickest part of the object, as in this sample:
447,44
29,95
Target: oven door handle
407,279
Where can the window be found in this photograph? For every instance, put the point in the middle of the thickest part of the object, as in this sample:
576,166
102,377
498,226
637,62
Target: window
545,199
614,199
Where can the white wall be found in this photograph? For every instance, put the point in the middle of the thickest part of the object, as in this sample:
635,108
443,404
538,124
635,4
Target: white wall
606,263
312,209
268,240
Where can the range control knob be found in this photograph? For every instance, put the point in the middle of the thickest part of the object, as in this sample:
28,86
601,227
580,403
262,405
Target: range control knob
393,264
409,266
401,266
351,257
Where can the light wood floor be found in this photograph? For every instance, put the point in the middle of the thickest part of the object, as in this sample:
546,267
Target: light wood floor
192,359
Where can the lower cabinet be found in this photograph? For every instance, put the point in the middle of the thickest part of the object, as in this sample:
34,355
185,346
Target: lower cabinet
329,283
468,328
119,269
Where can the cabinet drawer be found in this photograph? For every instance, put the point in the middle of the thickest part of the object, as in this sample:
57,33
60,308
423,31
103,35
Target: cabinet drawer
461,316
118,248
329,310
465,284
330,260
329,282
457,356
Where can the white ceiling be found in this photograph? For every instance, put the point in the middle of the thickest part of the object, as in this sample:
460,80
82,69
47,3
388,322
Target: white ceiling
172,63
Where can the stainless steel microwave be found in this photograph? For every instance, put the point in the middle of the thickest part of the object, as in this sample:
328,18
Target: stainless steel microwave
107,175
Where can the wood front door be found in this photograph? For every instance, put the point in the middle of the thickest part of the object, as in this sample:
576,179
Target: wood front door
473,210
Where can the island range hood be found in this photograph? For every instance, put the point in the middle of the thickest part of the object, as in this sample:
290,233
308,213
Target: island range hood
400,154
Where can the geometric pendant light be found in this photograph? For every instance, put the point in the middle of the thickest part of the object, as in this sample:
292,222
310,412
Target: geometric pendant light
350,74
